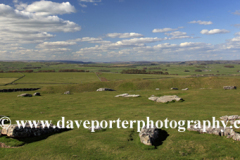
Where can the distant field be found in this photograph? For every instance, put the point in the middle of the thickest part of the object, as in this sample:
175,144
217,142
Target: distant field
206,69
174,68
117,76
6,80
58,77
204,99
10,75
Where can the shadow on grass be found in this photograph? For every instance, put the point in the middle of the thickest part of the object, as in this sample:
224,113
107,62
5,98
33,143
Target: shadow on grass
162,137
39,138
156,143
173,101
17,142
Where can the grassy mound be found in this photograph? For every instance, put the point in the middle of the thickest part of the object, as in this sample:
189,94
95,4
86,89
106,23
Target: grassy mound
138,84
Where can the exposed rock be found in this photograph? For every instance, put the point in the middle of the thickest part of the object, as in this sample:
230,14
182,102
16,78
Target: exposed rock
24,95
164,99
228,132
14,131
127,95
67,92
95,128
37,94
105,89
2,145
174,88
153,98
185,89
229,87
231,119
149,135
4,131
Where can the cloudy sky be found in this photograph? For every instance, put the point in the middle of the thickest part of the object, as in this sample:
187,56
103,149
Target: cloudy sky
120,30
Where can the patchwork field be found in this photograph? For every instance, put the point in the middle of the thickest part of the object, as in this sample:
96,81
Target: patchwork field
6,80
57,77
204,99
189,68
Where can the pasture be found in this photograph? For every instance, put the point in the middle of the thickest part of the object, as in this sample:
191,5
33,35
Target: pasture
114,143
204,99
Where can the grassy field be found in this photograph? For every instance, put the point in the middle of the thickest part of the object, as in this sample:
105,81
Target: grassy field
10,75
58,77
6,80
204,99
113,143
117,76
174,68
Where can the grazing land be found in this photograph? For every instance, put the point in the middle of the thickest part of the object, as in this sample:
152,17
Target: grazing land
204,99
58,77
6,80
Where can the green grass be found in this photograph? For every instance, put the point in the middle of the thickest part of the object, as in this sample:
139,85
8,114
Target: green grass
117,68
138,84
86,104
58,77
6,80
117,76
114,143
10,75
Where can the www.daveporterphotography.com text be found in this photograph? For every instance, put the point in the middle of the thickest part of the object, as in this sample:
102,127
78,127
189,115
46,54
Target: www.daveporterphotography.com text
181,125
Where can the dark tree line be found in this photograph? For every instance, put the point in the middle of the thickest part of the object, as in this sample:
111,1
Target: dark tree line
47,70
71,70
229,66
138,71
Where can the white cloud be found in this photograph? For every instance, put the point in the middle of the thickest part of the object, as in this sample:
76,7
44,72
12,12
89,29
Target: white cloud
90,40
165,46
83,5
236,25
87,52
138,41
214,31
237,12
88,1
163,30
19,5
92,1
237,34
190,44
37,54
165,51
120,44
178,35
124,35
50,8
26,24
57,44
27,27
202,22
236,39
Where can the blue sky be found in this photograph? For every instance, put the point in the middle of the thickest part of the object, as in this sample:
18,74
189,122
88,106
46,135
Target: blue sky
120,30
